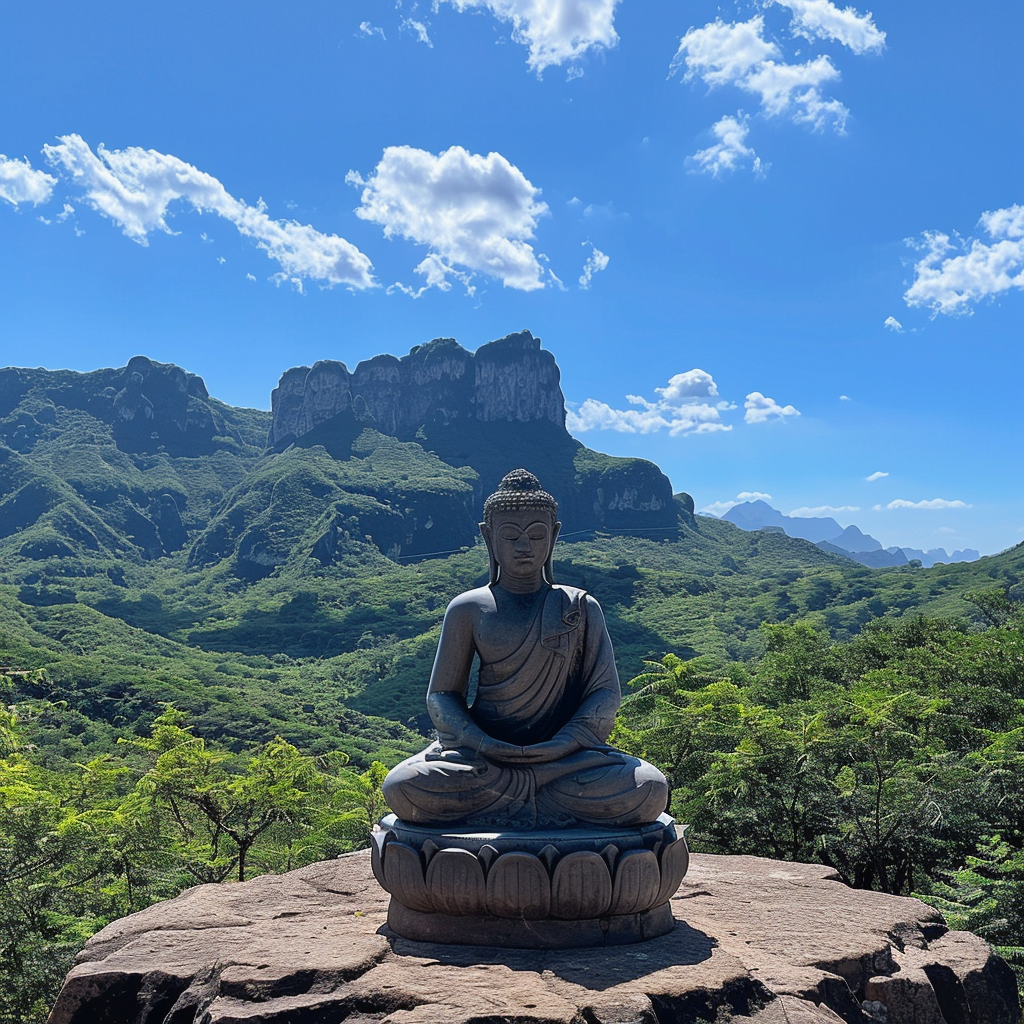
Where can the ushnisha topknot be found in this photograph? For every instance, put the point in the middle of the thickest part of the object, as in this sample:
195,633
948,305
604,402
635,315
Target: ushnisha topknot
520,491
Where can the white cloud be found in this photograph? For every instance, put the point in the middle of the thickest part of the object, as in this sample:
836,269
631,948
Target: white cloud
951,284
681,409
20,183
721,54
818,511
472,211
793,90
932,503
760,409
738,54
419,29
893,324
753,496
556,31
692,384
250,277
134,188
369,29
823,20
596,262
845,398
729,152
875,476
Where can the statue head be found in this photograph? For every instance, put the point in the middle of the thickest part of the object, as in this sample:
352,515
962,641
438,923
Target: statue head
520,525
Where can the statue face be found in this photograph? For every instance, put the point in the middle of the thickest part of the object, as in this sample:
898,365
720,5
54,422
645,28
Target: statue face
521,542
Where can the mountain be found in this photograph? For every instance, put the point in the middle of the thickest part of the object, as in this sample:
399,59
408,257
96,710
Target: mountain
830,536
139,462
756,515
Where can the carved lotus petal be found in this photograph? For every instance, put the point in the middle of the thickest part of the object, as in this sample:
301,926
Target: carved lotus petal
455,881
518,886
637,882
675,859
581,887
403,877
377,840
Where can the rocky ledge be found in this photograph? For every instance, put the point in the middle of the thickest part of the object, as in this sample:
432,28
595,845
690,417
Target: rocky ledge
779,943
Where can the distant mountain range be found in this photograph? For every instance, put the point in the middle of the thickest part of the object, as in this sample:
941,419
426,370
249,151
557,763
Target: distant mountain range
830,536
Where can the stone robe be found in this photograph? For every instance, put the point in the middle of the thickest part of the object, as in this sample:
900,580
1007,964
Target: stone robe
559,682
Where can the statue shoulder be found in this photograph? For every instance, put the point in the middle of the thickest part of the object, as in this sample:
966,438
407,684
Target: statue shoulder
470,602
577,596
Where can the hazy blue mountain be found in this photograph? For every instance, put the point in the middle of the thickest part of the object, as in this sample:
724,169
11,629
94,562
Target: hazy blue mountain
756,515
830,536
936,555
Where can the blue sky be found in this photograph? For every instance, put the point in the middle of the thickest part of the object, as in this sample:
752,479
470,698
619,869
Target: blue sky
777,248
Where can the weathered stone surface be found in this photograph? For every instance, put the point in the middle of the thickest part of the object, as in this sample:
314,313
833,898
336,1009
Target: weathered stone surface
756,939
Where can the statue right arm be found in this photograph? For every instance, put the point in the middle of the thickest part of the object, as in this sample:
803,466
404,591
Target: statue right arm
449,684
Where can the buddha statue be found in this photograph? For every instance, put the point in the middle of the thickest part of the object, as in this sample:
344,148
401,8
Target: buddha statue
531,750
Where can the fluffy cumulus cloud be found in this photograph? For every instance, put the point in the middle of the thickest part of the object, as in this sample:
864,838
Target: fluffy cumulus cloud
929,503
682,407
135,187
817,511
739,54
760,409
821,19
729,152
951,276
21,183
473,212
893,324
596,262
556,31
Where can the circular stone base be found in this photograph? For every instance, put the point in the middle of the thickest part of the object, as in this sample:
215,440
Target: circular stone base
540,889
509,933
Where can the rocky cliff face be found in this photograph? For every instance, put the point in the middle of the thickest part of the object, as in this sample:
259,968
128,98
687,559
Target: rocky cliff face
493,410
507,381
756,942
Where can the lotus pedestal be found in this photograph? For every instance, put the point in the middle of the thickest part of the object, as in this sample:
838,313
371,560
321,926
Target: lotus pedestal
553,889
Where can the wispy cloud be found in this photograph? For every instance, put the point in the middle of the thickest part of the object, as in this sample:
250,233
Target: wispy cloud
931,503
877,475
134,188
21,183
952,284
683,407
821,19
419,29
556,31
596,262
817,511
729,152
473,212
367,28
893,324
761,409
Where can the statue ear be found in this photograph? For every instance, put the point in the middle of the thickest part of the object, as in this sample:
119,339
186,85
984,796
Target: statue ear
548,571
492,571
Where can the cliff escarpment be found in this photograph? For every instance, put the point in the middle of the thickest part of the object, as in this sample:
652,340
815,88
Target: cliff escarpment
492,411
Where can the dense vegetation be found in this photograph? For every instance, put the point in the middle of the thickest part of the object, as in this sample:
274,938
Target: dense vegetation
895,757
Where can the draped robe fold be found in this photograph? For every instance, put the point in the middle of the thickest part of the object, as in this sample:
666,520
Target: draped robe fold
560,681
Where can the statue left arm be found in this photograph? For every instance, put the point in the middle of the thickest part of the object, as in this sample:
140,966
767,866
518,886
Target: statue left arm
592,722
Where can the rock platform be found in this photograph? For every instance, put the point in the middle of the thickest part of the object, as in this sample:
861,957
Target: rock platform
755,939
